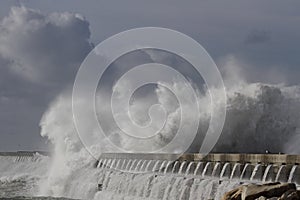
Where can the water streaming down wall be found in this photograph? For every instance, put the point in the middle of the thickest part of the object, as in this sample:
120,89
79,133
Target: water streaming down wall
167,177
189,178
223,171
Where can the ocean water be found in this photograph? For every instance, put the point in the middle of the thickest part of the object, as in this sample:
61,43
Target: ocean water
19,176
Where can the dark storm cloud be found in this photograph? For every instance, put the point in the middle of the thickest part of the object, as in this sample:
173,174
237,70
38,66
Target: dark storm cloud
220,26
39,56
258,36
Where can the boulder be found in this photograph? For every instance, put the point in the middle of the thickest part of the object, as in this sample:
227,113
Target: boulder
290,195
261,198
281,191
235,194
253,191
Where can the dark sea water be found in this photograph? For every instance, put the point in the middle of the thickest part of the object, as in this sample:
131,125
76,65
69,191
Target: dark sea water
21,189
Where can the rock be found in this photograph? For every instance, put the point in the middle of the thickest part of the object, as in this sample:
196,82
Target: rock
251,192
261,198
290,195
266,191
235,194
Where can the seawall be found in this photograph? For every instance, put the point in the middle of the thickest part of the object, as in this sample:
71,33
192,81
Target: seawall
241,158
244,167
24,153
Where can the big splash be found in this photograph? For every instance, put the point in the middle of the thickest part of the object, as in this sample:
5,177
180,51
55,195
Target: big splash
260,117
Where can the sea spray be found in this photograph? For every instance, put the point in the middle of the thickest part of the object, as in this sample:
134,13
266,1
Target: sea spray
267,115
68,154
261,118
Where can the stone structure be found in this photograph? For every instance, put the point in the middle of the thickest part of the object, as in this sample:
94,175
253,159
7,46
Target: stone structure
244,167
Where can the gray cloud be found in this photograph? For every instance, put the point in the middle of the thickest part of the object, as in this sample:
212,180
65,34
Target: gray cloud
220,26
43,48
258,36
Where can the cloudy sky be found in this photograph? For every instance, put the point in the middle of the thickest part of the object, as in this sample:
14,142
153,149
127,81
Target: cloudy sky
42,44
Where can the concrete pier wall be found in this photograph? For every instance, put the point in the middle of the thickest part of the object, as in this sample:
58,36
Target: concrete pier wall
240,158
24,153
245,167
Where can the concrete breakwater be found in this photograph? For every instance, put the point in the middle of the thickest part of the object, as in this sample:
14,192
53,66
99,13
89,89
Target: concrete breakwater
243,167
24,153
19,156
158,176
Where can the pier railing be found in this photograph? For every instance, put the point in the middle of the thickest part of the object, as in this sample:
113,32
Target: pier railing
244,167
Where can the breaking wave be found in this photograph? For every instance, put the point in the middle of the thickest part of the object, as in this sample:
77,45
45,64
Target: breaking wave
260,117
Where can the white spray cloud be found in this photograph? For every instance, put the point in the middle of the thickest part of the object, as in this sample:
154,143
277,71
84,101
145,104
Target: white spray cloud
259,117
69,154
